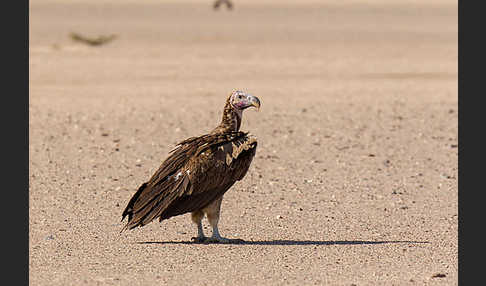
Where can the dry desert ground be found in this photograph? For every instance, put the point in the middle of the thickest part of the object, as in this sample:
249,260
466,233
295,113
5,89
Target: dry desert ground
355,178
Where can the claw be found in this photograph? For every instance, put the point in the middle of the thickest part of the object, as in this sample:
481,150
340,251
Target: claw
199,239
223,240
213,239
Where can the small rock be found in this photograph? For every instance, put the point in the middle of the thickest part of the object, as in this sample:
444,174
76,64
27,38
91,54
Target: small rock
279,217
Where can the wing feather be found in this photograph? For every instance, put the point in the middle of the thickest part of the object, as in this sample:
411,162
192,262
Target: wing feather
198,171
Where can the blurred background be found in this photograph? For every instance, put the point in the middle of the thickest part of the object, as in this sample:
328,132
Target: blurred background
301,48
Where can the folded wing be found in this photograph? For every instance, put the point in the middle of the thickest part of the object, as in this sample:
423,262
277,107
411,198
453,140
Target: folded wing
198,171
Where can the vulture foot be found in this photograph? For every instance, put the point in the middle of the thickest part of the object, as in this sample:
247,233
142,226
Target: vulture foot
223,240
199,239
217,239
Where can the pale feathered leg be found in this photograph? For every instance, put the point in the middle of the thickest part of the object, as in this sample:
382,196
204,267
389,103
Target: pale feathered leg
213,211
197,217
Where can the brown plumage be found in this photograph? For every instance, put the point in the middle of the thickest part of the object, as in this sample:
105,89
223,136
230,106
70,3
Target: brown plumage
197,173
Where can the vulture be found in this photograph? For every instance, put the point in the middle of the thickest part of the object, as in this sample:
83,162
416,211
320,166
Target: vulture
197,173
228,3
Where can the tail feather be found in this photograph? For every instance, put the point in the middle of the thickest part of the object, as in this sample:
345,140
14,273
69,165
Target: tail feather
150,202
129,209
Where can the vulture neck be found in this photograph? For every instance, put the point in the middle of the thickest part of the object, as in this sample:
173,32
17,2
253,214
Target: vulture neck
231,120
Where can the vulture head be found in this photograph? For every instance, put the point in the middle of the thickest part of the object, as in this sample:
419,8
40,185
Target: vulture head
240,100
233,110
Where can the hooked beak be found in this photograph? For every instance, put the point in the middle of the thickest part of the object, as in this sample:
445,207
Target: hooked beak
254,101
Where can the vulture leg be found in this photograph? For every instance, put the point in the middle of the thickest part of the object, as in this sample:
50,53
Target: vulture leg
197,217
213,211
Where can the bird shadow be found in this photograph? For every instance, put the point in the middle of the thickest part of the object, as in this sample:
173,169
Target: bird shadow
293,242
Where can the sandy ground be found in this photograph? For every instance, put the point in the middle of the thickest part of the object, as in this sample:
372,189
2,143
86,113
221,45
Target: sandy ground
355,177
